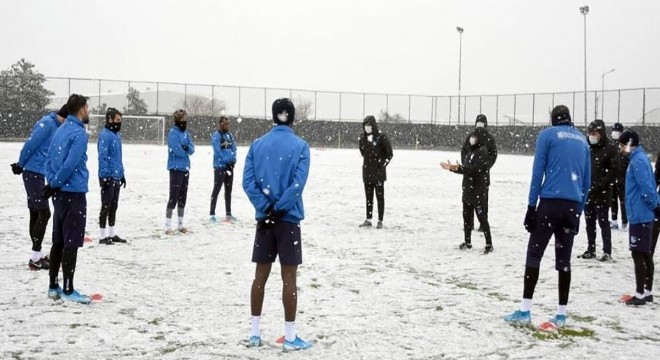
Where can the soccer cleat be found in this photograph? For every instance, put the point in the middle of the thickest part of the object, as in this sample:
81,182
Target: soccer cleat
588,255
465,246
41,264
648,298
635,301
75,296
230,218
117,239
55,294
170,232
379,225
297,344
488,249
213,219
519,318
254,341
183,230
558,320
614,225
366,223
106,241
606,258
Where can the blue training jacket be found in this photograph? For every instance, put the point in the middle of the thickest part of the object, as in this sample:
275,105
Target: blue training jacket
34,152
641,196
66,164
562,166
276,170
179,159
224,149
110,158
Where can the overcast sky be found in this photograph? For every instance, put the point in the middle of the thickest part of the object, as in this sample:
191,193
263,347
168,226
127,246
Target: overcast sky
363,46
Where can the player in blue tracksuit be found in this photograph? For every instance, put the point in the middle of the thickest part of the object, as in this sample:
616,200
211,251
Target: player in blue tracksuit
32,165
643,210
179,146
224,159
561,177
276,170
67,177
111,175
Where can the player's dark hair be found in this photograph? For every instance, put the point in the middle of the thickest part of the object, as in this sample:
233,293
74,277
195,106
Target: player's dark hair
111,113
75,103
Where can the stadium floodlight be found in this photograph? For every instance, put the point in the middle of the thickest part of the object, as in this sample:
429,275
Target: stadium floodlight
460,54
138,129
584,10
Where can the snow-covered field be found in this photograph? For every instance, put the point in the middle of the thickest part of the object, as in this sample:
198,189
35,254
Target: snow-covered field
404,292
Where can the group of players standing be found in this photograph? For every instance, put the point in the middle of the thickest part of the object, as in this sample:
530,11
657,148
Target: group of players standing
570,175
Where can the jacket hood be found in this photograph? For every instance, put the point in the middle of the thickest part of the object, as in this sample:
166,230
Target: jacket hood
481,118
370,120
598,126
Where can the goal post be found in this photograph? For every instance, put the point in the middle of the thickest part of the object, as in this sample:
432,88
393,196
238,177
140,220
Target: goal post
134,129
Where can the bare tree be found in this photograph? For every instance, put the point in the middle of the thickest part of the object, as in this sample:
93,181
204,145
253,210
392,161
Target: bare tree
385,117
201,105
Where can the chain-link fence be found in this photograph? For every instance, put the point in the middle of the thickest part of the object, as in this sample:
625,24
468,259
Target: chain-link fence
628,106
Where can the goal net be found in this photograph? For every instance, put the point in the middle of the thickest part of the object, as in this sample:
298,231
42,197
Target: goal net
134,129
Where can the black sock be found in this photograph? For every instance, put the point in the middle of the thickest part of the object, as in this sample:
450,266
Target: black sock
69,257
564,286
531,278
55,261
640,271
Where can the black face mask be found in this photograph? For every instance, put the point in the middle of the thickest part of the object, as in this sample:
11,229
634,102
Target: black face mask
182,125
115,127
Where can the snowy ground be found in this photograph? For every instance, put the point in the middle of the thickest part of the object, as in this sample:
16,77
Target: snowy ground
404,292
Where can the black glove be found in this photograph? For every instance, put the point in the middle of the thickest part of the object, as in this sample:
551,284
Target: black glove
104,181
122,182
16,169
230,166
656,211
272,217
185,148
530,219
49,191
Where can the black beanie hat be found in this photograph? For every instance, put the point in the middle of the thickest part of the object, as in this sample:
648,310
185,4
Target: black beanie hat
617,127
283,111
64,111
560,115
481,118
629,137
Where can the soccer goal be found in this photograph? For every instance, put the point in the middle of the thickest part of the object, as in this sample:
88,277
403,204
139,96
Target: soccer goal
134,129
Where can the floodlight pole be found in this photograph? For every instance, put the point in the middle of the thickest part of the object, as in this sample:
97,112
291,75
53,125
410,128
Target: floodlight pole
460,54
584,10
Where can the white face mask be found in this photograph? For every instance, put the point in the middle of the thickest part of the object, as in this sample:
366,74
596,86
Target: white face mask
615,135
593,140
368,129
473,141
479,124
283,117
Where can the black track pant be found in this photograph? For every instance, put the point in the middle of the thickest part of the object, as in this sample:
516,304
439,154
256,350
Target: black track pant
109,201
468,221
619,196
220,177
38,223
178,189
593,214
380,197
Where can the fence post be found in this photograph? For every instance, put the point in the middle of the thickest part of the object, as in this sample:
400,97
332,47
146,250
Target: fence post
387,104
316,104
339,106
239,101
338,139
265,103
129,89
497,109
480,112
644,107
450,110
533,107
409,101
363,105
432,98
69,88
157,97
553,100
99,94
212,99
515,103
185,96
595,105
618,109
